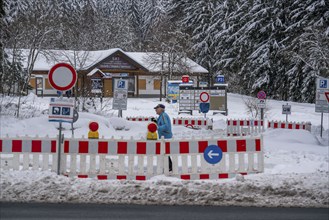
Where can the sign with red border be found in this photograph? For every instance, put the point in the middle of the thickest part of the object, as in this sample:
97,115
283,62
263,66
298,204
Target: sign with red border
62,76
204,97
261,95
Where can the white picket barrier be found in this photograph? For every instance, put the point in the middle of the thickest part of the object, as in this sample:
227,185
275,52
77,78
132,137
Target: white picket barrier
133,159
241,155
139,118
243,127
194,122
290,125
28,153
112,158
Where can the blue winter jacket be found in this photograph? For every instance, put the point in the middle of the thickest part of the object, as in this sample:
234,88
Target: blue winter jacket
164,126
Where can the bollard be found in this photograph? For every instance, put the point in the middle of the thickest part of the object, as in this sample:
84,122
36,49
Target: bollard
151,131
93,133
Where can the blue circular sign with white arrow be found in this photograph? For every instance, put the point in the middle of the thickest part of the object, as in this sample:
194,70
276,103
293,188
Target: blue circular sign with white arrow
213,154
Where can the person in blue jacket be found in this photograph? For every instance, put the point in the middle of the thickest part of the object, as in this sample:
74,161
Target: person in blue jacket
164,126
163,122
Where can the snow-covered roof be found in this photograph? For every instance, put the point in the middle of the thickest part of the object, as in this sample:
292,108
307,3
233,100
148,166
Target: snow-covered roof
48,58
152,62
95,71
87,59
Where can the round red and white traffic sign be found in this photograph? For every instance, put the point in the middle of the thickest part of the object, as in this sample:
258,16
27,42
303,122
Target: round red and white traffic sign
204,97
62,76
261,95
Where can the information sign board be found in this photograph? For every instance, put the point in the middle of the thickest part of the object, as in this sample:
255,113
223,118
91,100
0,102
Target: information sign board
120,94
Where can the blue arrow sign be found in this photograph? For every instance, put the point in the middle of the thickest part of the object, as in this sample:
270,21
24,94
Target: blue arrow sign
213,154
204,107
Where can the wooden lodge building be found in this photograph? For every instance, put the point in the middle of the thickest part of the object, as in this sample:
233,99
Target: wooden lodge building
97,69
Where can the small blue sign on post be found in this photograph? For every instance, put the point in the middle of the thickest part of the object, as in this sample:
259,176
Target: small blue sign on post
220,79
323,84
121,84
213,154
204,107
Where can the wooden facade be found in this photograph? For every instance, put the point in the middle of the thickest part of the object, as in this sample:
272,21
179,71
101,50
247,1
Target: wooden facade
97,79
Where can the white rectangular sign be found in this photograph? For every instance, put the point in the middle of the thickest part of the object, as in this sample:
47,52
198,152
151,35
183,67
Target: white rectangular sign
286,109
120,94
321,101
61,110
261,103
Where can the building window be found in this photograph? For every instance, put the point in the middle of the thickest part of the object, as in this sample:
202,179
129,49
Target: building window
96,85
47,84
142,84
131,84
156,84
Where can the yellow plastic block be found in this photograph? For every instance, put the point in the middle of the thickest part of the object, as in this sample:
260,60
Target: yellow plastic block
93,135
152,136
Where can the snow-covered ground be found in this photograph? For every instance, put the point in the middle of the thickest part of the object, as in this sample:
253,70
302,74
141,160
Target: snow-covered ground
296,161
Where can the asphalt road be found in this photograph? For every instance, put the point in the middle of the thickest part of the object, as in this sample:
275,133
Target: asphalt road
108,211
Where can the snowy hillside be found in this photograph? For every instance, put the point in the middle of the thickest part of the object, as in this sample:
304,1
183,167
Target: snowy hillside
296,161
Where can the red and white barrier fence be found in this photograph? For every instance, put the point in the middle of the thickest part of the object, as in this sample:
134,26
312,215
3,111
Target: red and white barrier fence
25,153
241,155
243,127
194,122
290,125
139,118
112,159
133,159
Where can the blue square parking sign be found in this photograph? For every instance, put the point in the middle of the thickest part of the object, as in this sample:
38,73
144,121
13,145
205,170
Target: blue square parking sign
121,84
66,111
323,84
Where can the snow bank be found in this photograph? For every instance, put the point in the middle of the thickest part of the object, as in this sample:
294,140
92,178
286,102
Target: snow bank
292,190
296,161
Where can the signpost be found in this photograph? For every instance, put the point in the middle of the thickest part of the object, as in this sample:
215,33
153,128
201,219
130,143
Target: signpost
261,95
120,95
185,79
219,79
322,98
62,77
189,98
286,109
204,97
204,103
61,110
213,154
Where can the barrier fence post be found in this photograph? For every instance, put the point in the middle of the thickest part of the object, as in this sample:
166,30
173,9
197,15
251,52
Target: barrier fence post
59,149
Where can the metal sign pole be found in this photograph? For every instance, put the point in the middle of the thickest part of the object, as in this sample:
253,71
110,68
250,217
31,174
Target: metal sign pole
261,114
59,144
72,129
321,124
287,118
59,149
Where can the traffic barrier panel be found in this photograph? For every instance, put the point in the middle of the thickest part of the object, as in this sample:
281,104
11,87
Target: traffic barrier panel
290,125
194,122
241,155
243,127
133,159
139,118
28,153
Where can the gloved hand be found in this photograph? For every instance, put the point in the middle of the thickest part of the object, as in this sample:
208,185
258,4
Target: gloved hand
153,120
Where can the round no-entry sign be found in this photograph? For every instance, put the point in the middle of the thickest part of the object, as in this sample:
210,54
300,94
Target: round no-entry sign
261,95
204,96
62,76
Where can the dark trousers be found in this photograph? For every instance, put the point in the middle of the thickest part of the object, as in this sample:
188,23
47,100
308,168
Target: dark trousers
170,164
